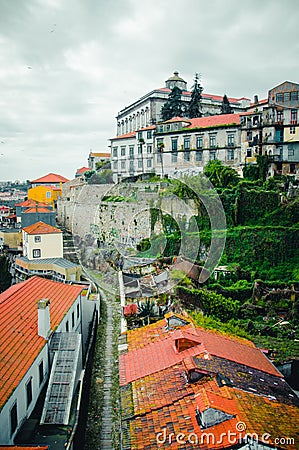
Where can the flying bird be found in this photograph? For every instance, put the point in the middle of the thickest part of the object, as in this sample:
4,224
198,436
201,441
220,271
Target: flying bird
29,67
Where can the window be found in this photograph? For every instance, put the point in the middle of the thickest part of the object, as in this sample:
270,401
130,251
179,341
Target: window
279,98
36,253
187,143
291,151
161,128
37,238
174,157
114,152
78,311
131,152
212,141
230,140
123,165
132,166
149,149
174,145
67,328
13,418
187,156
198,156
199,142
149,134
294,116
249,153
292,130
168,127
286,96
139,149
230,154
73,319
279,116
115,165
159,158
212,156
41,372
294,95
149,163
123,151
249,135
139,164
29,392
48,194
139,134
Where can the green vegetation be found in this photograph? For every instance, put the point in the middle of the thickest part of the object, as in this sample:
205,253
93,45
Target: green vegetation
5,276
258,296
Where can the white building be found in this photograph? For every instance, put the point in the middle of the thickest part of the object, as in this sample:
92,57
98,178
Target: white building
31,315
41,240
146,110
187,146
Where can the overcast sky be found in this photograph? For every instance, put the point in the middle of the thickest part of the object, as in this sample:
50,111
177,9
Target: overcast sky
68,66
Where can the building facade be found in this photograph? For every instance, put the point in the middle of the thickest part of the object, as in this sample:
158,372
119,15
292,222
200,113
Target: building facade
271,128
146,111
29,314
178,146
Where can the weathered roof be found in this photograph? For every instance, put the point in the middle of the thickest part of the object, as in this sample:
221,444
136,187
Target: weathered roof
41,228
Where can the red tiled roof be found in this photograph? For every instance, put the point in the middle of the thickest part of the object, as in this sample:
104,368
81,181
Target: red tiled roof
38,209
16,447
217,120
228,348
154,357
31,202
41,228
218,98
50,178
19,342
83,169
132,134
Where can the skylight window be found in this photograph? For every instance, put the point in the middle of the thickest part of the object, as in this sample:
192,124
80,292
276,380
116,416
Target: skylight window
211,417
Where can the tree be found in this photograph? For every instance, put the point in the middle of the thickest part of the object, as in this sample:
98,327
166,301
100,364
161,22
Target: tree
174,105
225,107
194,107
221,176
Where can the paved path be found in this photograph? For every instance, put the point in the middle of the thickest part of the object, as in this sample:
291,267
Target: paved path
107,418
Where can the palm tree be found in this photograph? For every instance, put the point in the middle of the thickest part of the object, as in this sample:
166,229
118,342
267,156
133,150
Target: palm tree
147,309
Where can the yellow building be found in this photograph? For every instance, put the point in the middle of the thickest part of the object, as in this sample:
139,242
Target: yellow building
45,194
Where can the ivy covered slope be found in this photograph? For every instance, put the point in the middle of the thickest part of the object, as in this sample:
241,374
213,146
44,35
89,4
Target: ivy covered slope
258,297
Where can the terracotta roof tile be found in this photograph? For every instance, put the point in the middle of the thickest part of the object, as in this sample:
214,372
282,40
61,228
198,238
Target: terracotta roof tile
82,170
19,342
29,202
37,209
41,228
50,178
16,447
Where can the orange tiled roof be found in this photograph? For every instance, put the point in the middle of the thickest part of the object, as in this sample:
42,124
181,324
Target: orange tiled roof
50,178
38,209
19,342
41,228
212,121
132,134
29,202
100,155
82,169
16,447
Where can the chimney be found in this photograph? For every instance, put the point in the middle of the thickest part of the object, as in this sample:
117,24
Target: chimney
44,325
256,100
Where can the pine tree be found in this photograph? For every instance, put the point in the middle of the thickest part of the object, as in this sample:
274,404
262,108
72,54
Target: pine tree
194,107
225,107
174,105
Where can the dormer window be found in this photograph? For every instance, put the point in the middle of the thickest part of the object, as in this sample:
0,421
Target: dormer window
211,417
